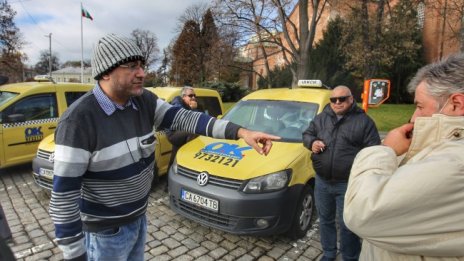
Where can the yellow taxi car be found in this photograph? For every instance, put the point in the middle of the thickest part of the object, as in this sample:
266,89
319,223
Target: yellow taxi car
229,186
29,111
209,101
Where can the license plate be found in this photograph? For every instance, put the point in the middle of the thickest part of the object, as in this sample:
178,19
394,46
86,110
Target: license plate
199,200
47,173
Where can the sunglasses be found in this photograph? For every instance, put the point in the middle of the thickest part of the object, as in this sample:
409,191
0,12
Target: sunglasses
341,99
192,96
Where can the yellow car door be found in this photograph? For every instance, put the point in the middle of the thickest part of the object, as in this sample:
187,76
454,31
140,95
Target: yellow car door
25,123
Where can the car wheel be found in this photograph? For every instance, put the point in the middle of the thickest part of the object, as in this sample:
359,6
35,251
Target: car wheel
304,214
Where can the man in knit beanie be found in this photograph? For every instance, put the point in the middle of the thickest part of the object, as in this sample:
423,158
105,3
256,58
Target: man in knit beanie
104,156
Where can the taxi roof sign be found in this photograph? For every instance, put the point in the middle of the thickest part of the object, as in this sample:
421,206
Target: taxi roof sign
310,83
41,78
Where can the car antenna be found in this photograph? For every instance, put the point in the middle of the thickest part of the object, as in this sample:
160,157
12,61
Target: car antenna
51,79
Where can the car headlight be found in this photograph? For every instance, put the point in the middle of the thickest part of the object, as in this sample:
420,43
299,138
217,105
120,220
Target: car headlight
268,183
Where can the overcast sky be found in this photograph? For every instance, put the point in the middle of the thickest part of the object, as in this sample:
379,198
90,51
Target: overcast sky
62,18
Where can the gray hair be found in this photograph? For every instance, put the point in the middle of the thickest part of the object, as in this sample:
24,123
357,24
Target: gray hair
441,78
184,90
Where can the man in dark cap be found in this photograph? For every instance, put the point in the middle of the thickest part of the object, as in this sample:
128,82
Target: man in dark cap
104,156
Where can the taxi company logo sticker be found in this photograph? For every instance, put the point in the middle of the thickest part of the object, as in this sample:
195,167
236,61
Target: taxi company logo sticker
226,150
33,134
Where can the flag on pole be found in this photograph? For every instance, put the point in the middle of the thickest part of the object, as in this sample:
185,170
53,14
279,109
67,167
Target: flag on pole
86,14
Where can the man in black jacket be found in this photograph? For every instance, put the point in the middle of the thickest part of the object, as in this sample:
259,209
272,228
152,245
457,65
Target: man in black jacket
188,101
335,136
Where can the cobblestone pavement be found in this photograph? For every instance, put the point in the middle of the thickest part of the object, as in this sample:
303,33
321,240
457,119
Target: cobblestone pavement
170,236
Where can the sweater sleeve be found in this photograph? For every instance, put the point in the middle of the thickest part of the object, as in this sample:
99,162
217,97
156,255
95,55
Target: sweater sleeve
70,164
178,118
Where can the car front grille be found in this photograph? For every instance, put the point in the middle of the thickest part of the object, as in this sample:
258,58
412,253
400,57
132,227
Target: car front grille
205,216
213,180
43,182
46,155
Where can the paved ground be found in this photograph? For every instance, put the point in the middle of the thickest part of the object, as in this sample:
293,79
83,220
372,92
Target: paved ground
170,236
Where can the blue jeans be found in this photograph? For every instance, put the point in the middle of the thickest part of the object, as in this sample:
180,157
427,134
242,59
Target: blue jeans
124,243
330,198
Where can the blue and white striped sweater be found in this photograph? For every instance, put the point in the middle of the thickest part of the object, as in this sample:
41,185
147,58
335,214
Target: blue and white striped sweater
104,163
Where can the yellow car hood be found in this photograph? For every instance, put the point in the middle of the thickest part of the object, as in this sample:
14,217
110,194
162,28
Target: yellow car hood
236,160
48,143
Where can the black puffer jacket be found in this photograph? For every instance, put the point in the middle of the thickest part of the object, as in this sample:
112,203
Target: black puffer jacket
343,138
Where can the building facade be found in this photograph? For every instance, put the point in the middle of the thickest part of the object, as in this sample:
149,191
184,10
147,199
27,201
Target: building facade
73,74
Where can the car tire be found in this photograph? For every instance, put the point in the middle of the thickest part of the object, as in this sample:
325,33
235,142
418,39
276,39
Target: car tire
305,214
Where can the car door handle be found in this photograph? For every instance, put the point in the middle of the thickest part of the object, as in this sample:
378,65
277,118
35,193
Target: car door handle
52,127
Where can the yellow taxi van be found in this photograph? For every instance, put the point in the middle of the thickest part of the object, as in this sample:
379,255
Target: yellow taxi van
29,112
209,101
225,184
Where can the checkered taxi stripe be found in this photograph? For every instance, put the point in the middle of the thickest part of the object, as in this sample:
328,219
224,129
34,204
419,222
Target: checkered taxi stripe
26,123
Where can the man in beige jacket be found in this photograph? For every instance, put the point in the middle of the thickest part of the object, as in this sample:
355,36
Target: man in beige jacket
412,207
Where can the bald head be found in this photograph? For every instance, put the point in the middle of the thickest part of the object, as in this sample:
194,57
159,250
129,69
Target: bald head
341,99
341,90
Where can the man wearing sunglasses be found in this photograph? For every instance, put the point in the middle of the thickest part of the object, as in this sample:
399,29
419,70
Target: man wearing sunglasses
335,136
105,156
188,101
412,207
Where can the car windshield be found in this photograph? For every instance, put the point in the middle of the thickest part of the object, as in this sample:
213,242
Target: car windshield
6,96
286,119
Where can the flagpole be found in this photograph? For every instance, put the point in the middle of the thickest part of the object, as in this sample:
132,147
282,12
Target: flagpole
82,48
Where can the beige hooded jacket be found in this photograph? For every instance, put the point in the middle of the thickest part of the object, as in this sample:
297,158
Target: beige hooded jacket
413,209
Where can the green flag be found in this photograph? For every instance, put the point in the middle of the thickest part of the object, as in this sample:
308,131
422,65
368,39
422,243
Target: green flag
86,14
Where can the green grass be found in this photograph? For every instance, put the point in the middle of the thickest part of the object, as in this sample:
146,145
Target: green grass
386,117
390,116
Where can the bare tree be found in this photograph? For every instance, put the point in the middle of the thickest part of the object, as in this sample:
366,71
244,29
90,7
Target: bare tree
194,12
42,66
253,20
450,13
162,70
271,21
75,64
148,44
300,50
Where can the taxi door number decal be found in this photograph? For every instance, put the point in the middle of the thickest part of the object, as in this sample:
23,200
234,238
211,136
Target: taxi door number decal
222,153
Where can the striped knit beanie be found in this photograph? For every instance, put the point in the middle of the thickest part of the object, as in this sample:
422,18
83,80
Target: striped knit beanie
111,51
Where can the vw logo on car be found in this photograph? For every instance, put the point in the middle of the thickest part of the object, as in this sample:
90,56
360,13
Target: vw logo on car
202,179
